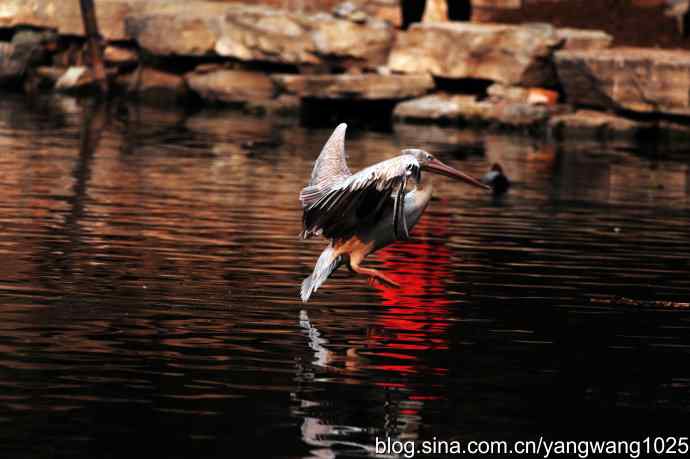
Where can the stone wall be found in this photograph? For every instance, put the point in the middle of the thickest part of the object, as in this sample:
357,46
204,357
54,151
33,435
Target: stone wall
293,5
267,60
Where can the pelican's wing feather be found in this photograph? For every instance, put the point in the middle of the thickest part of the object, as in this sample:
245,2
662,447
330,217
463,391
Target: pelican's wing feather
329,168
345,205
399,221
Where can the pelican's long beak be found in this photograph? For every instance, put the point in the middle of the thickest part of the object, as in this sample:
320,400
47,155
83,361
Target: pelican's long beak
438,167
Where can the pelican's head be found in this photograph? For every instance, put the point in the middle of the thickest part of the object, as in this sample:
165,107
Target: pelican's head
427,162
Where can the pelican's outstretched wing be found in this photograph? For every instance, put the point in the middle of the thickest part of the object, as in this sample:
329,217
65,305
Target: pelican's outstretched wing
329,169
345,205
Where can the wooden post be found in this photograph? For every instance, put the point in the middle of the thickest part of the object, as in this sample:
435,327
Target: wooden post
93,37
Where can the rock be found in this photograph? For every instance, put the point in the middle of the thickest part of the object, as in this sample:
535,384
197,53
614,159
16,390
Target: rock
468,109
350,11
595,124
508,54
119,55
499,91
184,31
75,79
347,86
48,76
241,31
581,39
11,67
517,114
65,16
32,39
259,33
536,96
386,10
154,86
231,86
17,56
368,43
35,13
638,79
436,107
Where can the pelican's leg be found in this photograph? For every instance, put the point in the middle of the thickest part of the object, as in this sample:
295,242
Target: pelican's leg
374,275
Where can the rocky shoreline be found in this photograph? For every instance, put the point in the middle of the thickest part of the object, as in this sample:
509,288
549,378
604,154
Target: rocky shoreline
533,76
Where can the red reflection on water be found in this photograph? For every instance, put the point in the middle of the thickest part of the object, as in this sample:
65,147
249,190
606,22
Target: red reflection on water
417,311
414,317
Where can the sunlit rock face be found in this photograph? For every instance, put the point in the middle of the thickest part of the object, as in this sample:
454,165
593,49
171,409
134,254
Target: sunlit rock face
260,33
512,55
638,79
460,108
65,16
237,30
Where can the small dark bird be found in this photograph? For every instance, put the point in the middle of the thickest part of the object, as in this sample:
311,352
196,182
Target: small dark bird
364,212
496,179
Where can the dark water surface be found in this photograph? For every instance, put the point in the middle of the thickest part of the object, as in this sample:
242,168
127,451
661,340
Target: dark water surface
150,273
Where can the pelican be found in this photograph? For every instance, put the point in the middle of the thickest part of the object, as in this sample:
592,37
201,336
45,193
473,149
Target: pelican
364,212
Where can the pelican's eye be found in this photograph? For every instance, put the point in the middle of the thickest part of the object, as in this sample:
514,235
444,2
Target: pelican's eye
429,157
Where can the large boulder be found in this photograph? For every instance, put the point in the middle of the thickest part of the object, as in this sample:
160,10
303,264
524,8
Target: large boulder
177,30
75,79
455,108
120,55
260,33
639,79
35,13
65,16
440,107
508,54
369,86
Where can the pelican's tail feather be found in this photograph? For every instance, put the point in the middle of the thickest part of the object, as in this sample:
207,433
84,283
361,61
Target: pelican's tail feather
327,263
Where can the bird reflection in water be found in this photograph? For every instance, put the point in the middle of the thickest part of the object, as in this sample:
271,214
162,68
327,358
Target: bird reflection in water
413,320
